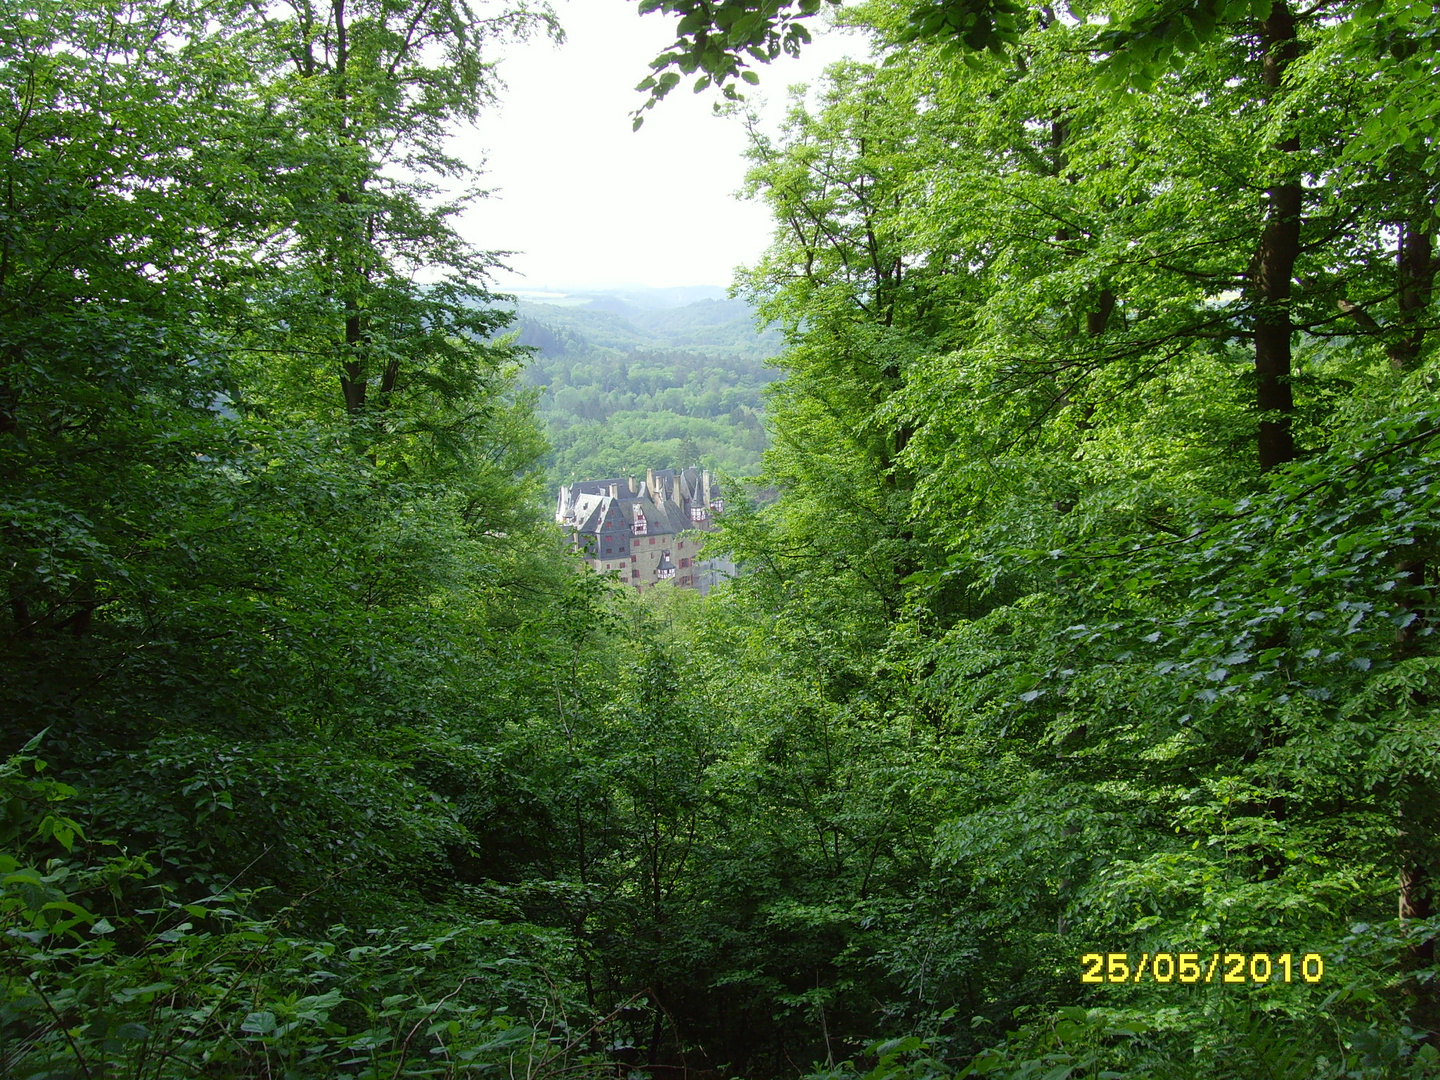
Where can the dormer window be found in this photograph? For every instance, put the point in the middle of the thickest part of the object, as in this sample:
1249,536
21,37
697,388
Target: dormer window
641,527
697,513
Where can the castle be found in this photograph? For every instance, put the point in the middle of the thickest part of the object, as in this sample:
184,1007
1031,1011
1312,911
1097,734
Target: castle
646,532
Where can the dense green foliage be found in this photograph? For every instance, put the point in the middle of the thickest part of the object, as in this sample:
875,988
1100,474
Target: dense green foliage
1108,457
630,387
266,529
1094,615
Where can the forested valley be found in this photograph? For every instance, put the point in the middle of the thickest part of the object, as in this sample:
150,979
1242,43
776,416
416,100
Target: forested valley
630,383
1075,714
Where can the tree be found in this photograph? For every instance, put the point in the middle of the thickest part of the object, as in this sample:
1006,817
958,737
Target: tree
381,293
114,288
185,526
721,41
1148,612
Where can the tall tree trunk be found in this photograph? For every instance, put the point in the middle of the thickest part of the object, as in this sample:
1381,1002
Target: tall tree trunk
1275,260
1415,259
1273,279
353,376
1098,319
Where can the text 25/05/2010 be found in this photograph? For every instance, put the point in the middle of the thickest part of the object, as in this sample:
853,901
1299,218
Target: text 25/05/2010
1195,967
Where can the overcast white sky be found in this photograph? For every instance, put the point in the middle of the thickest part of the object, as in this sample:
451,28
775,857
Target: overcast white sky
583,201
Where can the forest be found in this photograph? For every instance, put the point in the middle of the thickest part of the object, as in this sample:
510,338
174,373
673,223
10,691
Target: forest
631,384
1077,712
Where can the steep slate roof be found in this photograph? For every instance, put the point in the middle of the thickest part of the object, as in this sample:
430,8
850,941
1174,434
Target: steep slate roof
660,518
590,512
664,498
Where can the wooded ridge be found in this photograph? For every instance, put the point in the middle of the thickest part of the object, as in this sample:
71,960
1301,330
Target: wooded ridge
628,387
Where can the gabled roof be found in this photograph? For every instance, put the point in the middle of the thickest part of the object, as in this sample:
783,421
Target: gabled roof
591,511
664,498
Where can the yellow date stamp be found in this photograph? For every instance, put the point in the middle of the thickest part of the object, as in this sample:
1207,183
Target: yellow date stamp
1196,967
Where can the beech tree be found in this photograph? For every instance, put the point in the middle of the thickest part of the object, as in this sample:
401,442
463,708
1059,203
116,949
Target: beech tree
1132,352
364,98
242,619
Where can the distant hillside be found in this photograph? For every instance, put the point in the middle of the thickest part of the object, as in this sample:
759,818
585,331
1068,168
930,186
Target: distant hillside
641,297
631,382
711,327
